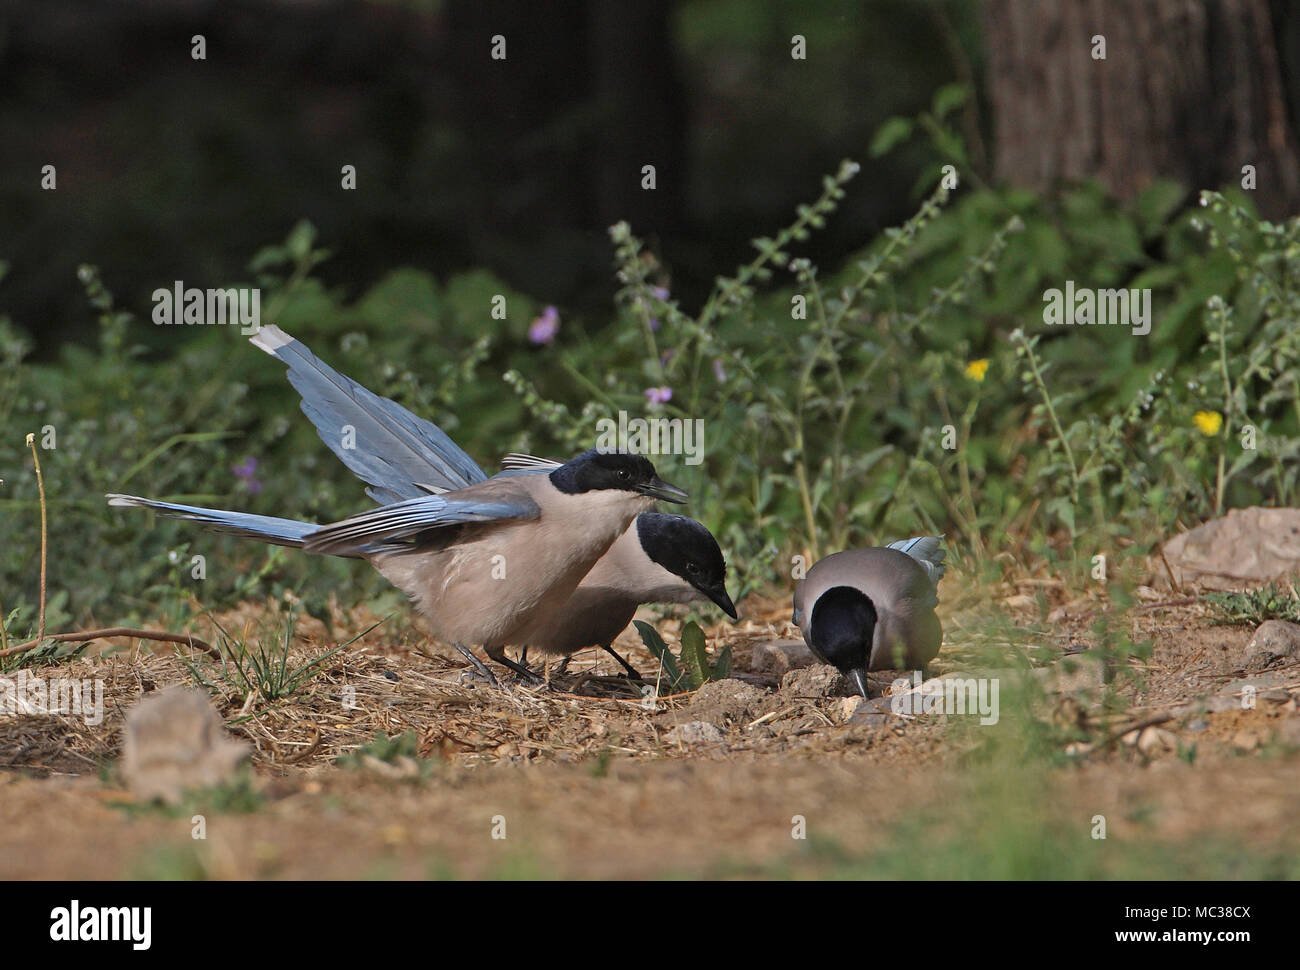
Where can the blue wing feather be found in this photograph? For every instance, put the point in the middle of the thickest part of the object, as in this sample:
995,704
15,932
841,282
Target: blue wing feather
392,449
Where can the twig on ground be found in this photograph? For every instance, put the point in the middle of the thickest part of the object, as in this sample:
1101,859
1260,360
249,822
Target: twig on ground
117,631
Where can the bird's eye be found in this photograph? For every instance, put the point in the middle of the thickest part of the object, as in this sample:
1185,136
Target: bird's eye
693,568
624,474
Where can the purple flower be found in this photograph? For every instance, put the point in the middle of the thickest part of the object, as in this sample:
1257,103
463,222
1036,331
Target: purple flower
660,293
246,473
659,395
543,329
718,371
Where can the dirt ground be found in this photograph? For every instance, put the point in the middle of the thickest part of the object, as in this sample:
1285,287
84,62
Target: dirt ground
589,779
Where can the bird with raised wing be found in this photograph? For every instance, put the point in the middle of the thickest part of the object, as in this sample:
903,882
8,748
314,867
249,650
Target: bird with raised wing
408,463
485,562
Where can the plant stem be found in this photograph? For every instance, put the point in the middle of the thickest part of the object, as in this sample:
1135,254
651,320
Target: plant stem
1051,412
40,487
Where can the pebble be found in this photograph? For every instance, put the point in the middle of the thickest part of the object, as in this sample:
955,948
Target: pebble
694,732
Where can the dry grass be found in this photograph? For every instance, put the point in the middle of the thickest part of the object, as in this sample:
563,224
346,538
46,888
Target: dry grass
595,783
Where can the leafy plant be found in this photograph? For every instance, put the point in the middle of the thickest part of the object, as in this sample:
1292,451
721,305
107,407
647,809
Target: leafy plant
262,670
1253,606
693,668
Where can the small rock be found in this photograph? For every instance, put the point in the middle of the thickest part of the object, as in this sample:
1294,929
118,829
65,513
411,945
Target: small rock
823,680
1222,703
694,732
1289,732
848,706
1245,740
1261,683
1155,739
779,656
873,713
175,740
728,692
1274,640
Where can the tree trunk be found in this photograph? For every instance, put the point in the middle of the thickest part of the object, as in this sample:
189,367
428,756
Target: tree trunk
1188,90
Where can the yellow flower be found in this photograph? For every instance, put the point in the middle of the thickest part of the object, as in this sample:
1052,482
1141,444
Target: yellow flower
976,369
1208,422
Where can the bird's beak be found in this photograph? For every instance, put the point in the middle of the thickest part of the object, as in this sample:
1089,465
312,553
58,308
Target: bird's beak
720,597
658,488
859,679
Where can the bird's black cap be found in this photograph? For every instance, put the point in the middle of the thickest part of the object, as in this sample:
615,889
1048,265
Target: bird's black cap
593,470
687,549
843,627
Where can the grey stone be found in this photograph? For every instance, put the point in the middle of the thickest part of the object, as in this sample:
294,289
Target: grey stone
873,713
1274,640
175,741
779,656
1244,546
694,732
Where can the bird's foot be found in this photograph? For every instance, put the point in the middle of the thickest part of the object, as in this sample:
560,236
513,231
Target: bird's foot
525,674
480,670
631,671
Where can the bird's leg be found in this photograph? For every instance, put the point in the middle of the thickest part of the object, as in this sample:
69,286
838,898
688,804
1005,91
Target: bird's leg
631,671
499,655
523,655
477,664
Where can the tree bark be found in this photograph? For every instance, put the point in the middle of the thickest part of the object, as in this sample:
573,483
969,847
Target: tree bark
1189,90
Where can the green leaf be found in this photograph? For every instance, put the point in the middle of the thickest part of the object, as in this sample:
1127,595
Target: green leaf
892,132
300,241
948,97
655,644
694,655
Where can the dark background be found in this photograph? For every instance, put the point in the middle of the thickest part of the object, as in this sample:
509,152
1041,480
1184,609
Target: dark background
171,168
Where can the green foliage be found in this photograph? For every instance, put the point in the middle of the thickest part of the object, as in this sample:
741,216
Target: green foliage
262,668
674,678
696,657
693,668
239,795
401,752
913,388
1254,606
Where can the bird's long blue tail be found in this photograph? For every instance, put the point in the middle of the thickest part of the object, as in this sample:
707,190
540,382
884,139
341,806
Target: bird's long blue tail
281,532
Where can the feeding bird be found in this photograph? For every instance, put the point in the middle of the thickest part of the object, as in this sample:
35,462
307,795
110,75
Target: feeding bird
661,558
406,460
873,609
